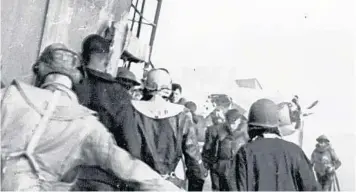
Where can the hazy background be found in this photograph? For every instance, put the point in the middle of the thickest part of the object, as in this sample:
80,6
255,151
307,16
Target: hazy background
303,47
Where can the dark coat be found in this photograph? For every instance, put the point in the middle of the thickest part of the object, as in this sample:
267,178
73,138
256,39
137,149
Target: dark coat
101,93
222,144
272,164
220,149
209,153
161,143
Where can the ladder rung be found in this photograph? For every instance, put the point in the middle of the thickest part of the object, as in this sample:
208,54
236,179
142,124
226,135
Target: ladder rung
145,23
140,14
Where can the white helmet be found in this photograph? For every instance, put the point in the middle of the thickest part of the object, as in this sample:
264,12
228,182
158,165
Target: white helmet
159,82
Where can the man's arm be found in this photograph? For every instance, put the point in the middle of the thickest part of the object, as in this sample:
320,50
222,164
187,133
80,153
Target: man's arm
126,131
239,175
192,156
100,149
304,174
312,159
209,147
336,161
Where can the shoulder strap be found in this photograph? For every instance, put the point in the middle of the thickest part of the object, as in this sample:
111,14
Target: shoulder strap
41,127
4,92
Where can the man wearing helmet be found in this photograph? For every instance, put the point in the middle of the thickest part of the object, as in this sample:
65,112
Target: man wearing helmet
126,78
268,163
46,132
325,162
164,131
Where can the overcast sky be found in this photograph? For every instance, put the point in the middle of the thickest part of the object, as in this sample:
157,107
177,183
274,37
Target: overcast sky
302,47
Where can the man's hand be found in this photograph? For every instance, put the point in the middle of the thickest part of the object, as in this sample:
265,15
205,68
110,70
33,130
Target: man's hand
330,169
207,166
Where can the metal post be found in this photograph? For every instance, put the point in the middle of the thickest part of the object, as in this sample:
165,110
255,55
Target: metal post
134,16
141,17
154,28
43,27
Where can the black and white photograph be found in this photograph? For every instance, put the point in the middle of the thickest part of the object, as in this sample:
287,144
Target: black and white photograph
178,95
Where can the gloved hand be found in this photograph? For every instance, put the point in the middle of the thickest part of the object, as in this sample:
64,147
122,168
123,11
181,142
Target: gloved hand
330,169
206,173
206,165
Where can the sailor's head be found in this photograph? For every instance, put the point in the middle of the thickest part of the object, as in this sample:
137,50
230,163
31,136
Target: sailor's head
217,116
323,140
191,106
233,118
263,118
158,83
136,92
57,60
96,51
176,92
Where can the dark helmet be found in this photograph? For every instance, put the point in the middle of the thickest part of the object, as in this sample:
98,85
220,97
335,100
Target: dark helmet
263,113
322,138
126,75
191,106
57,58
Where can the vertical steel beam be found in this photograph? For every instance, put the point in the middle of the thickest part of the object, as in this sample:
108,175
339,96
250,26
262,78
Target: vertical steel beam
134,16
154,28
43,27
141,18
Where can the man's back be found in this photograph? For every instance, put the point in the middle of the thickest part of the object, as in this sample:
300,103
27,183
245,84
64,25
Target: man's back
165,132
59,147
101,93
72,137
269,164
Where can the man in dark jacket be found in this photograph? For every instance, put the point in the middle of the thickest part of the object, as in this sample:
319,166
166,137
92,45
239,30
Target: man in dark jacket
230,136
164,132
209,153
100,92
268,163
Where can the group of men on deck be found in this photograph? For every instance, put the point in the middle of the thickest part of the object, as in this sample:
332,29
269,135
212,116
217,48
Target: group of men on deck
238,159
79,128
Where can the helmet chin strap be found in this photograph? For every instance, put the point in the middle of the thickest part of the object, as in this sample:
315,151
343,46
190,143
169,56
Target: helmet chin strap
159,98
